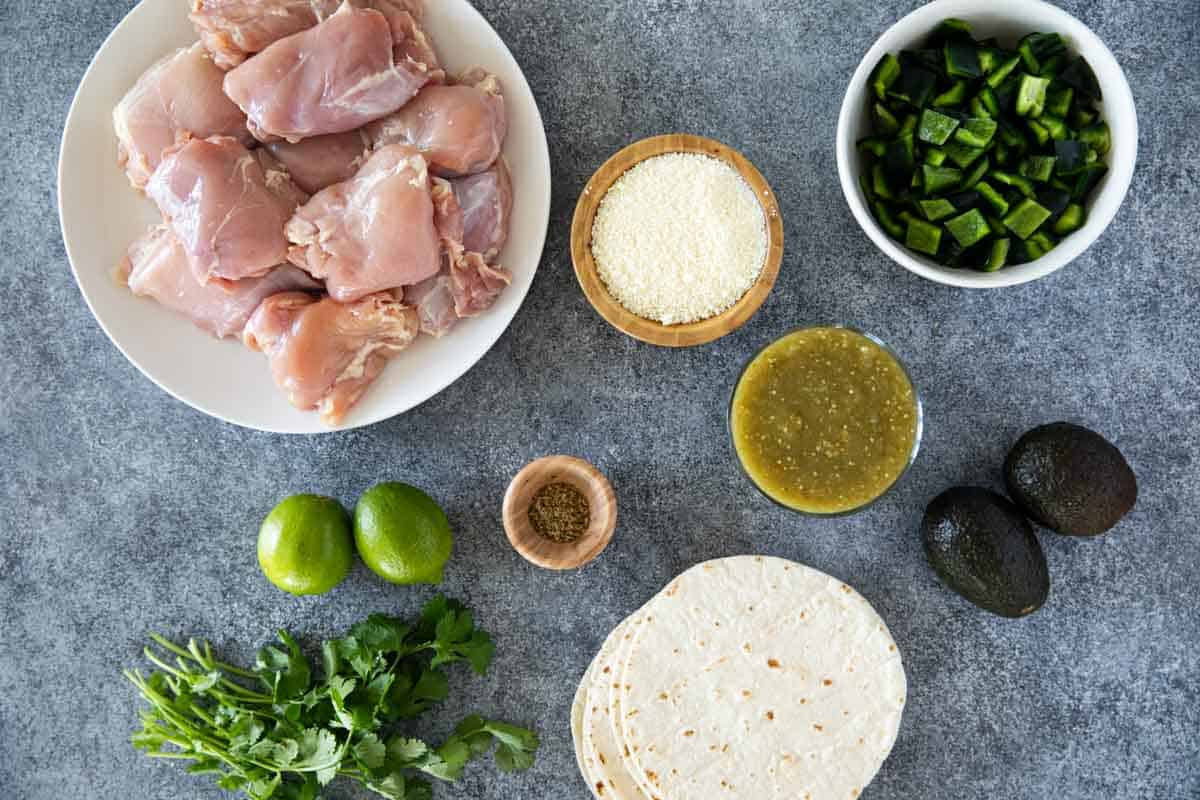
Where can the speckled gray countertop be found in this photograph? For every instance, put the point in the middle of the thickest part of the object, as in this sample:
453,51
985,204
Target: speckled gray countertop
127,512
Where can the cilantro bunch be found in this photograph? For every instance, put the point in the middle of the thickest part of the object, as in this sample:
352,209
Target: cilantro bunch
278,731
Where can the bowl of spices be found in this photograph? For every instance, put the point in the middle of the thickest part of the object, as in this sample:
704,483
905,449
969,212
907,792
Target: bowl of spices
825,420
559,512
677,240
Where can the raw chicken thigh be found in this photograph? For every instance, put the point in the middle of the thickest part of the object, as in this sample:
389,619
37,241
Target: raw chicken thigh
213,194
334,77
458,128
466,285
373,232
486,203
325,354
178,97
411,43
156,266
234,29
322,160
279,181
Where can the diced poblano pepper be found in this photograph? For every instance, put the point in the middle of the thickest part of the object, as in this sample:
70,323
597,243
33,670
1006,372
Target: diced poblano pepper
1055,201
968,228
935,157
889,223
1040,134
1026,218
939,179
900,159
961,60
993,198
976,132
1044,241
988,59
879,183
908,125
873,145
1031,96
1072,156
1070,220
1018,182
1097,137
1002,71
1037,48
1079,76
1083,117
963,155
951,29
996,225
886,123
914,85
923,236
977,172
1039,168
1059,99
985,104
885,74
1051,66
998,257
939,208
1055,126
1087,179
935,127
952,96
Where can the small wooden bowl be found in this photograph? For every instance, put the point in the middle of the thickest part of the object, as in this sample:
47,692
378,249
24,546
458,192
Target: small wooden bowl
583,477
691,333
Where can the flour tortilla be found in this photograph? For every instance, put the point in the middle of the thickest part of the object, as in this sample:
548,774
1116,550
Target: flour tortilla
608,777
577,706
617,691
755,677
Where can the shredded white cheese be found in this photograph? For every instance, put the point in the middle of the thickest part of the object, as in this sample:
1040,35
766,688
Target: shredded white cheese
679,238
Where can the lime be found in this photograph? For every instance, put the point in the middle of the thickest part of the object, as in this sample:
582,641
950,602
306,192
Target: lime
402,534
304,544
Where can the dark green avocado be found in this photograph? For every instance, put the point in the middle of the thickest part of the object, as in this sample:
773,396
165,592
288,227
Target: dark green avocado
982,546
1070,479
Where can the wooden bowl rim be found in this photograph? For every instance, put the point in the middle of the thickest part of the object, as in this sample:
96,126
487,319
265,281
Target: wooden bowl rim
588,480
690,333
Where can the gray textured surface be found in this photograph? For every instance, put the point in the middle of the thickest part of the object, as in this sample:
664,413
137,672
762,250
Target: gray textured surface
128,512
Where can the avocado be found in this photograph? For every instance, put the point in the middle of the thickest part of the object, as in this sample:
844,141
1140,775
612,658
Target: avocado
982,546
1070,479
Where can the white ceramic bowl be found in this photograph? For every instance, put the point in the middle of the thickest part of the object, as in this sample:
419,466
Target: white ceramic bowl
101,215
1008,21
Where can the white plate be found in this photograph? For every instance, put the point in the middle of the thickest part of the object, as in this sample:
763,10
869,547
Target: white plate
101,215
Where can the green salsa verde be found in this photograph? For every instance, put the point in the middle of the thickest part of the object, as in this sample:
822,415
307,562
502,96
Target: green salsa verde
824,420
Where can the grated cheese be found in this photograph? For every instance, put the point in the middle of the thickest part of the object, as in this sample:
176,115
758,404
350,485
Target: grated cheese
679,238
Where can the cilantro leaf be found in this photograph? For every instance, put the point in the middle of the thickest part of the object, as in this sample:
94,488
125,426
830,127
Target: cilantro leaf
457,639
414,691
392,787
287,674
369,751
404,751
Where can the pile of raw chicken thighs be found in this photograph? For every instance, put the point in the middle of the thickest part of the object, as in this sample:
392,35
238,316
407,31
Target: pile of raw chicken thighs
327,191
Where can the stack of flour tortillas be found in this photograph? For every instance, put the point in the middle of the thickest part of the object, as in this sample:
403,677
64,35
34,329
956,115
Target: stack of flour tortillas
747,677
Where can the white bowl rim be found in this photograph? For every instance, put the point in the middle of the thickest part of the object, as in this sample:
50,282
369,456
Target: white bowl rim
356,420
1118,98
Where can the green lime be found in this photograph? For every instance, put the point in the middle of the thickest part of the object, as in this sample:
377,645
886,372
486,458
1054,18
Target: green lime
402,534
304,544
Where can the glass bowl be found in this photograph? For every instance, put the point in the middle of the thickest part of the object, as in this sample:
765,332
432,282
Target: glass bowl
918,433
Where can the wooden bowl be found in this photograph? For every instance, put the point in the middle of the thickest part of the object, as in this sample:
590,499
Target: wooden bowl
691,333
589,482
